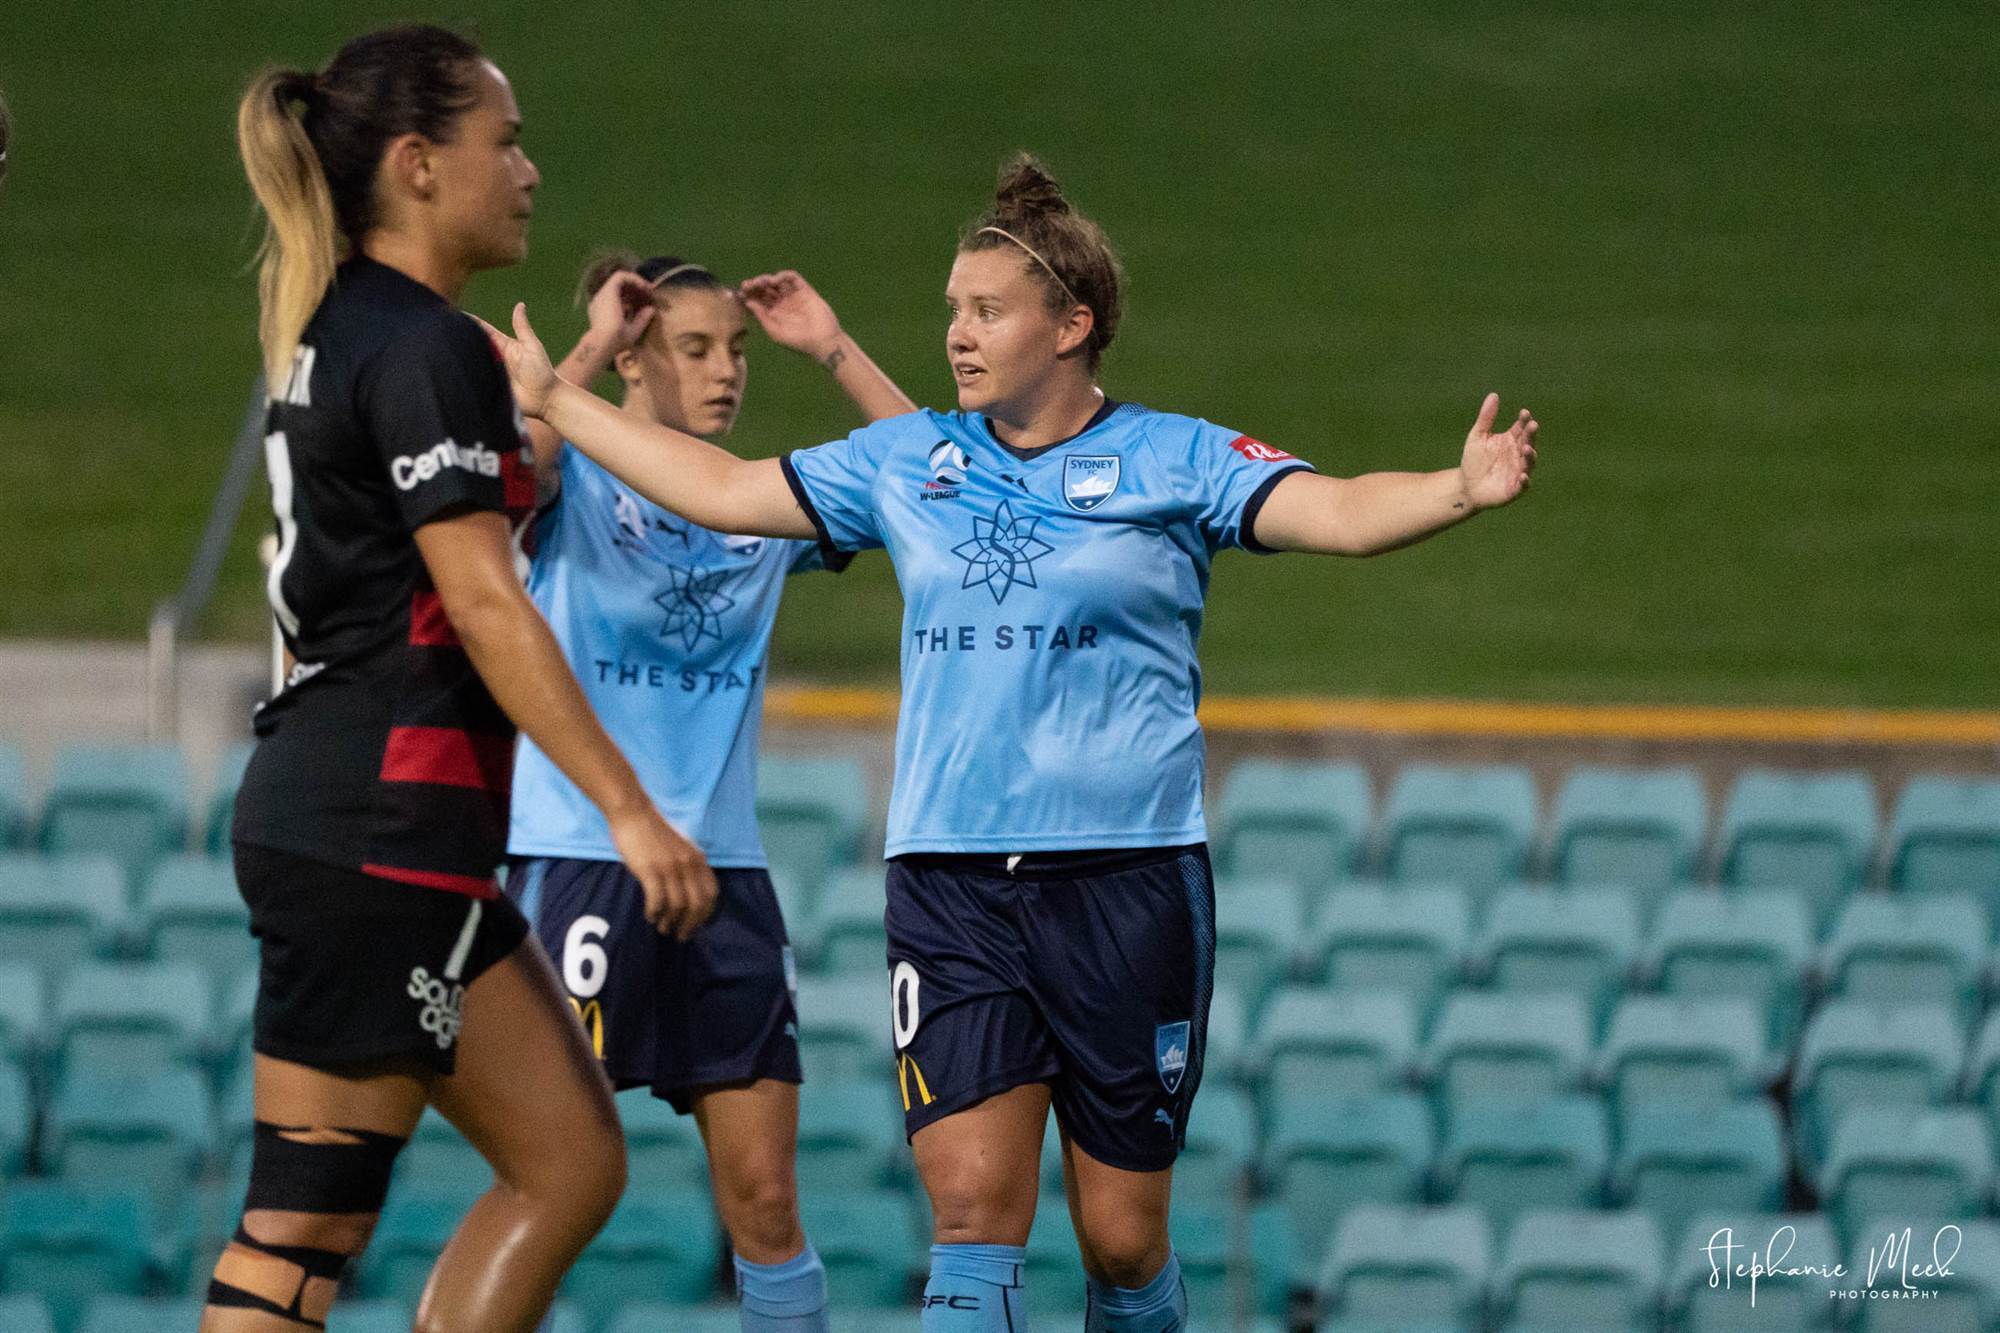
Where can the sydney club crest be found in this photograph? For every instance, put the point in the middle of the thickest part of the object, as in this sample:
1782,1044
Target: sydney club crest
1089,479
1170,1050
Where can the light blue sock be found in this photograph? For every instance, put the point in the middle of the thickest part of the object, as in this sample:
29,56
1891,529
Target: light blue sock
975,1289
783,1298
1158,1307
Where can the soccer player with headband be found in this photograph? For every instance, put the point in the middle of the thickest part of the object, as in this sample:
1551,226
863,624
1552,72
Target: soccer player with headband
1050,907
667,624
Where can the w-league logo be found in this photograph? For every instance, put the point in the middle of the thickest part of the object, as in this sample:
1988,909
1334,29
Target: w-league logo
444,1006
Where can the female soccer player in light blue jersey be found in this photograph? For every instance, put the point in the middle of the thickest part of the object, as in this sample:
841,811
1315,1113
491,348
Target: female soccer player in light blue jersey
667,625
1050,909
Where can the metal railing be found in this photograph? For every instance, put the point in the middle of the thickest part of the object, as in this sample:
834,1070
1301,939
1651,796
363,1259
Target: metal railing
172,618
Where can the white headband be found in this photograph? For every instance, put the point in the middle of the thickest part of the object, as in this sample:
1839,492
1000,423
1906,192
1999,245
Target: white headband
680,268
1036,256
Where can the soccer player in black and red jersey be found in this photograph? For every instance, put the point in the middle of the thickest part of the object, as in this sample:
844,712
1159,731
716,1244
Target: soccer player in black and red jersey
374,811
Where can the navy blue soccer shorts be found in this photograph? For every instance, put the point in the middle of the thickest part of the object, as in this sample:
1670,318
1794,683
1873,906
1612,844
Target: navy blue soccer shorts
1088,971
677,1018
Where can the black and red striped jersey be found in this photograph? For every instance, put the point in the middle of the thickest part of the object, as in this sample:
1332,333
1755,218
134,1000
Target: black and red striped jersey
384,751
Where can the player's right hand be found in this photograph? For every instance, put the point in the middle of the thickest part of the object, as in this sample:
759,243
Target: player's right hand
620,310
529,370
674,875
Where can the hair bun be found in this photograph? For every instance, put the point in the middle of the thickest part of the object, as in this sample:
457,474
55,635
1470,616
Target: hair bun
1026,190
296,85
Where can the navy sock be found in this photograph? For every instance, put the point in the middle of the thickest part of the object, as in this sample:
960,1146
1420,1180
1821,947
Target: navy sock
975,1289
783,1298
1158,1307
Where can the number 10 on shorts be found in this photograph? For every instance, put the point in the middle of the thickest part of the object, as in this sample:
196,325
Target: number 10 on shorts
904,1015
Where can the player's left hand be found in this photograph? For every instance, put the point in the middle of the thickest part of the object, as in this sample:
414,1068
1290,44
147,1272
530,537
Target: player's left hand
792,313
1495,467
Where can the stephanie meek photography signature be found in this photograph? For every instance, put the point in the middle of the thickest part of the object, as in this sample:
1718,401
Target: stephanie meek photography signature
1893,1258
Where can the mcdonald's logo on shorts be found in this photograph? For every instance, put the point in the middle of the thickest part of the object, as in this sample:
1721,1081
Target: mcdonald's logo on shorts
906,1069
591,1015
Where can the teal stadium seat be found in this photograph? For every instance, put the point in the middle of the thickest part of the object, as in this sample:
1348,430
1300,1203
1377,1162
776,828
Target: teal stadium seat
1211,1266
1900,1161
69,1244
657,1245
14,804
844,1031
1965,1301
1754,943
149,1131
1683,1050
1316,1040
1291,819
23,1010
1715,1245
663,1149
190,912
235,1015
1051,1270
1327,1154
1856,1054
370,1317
26,1312
1465,824
867,1240
1892,948
812,811
845,929
1680,1162
131,1017
440,1160
136,1314
1643,827
660,1317
1944,837
1258,926
128,802
850,1134
1552,1153
1489,1046
1809,831
229,767
1980,1081
1220,1148
1403,1267
1578,941
236,1113
414,1226
1375,937
1570,1269
17,1119
58,911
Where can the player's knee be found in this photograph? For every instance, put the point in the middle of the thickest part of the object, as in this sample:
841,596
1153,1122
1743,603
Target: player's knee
764,1216
593,1180
1125,1248
974,1211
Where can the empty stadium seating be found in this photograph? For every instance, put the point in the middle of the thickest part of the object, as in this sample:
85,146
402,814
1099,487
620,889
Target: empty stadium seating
128,802
1669,1027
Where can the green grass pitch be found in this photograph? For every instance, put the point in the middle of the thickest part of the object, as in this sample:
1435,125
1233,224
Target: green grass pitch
1738,259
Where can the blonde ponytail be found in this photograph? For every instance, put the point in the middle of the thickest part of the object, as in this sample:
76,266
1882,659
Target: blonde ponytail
300,249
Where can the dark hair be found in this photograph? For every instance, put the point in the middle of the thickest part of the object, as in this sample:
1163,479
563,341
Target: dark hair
1029,205
605,262
311,144
6,137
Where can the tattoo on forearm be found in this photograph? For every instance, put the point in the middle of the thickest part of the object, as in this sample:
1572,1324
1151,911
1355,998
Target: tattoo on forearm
833,359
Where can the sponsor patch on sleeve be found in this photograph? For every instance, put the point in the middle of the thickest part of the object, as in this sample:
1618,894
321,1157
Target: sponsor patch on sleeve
1257,451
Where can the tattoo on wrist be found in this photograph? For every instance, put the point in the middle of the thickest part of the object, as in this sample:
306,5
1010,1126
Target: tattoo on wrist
833,359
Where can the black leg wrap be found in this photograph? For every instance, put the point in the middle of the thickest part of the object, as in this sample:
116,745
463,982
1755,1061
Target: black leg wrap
309,1177
315,1263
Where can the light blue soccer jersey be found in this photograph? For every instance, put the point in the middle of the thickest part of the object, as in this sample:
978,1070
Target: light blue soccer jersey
1051,610
667,625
